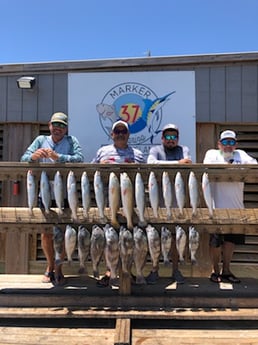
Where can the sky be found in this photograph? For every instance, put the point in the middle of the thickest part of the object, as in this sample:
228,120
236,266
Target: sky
75,30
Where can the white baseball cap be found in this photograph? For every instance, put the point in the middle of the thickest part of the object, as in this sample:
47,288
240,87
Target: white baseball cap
228,134
170,126
121,123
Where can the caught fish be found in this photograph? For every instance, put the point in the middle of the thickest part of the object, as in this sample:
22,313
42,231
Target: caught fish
166,241
167,193
58,243
180,243
180,191
45,191
83,247
194,238
85,190
111,250
31,190
99,195
72,194
193,192
127,198
126,249
70,242
97,245
206,188
154,246
114,198
59,192
153,193
140,253
140,198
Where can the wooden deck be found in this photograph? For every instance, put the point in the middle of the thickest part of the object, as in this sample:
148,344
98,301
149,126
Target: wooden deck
198,311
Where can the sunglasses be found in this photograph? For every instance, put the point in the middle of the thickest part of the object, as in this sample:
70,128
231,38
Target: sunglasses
170,137
228,142
120,131
58,124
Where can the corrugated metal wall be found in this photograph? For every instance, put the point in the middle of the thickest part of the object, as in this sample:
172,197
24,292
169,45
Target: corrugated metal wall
226,88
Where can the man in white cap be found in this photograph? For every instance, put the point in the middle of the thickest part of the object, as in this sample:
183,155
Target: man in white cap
118,152
56,147
169,152
226,195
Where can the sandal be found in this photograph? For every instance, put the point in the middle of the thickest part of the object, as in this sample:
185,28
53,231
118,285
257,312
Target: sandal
103,282
230,278
49,277
215,277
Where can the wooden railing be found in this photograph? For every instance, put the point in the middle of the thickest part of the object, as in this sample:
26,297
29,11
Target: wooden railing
16,220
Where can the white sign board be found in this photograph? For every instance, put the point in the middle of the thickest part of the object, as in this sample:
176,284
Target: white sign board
145,100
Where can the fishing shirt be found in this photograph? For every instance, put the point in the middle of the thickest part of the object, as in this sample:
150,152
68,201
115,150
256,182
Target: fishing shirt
228,194
116,155
68,149
159,154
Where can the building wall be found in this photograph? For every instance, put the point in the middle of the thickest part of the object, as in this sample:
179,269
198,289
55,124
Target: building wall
226,85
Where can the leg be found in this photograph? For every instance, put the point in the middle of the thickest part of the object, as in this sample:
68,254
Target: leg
47,246
228,250
176,274
215,256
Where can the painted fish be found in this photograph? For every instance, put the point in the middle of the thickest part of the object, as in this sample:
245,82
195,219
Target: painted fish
154,246
99,195
206,188
97,245
193,243
45,191
126,245
166,241
72,194
153,193
193,192
85,190
180,192
111,250
180,243
70,242
59,192
58,243
140,253
167,193
127,198
114,198
140,198
83,247
31,190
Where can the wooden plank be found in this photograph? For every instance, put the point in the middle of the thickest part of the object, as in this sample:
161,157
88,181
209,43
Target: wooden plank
213,314
52,335
123,332
194,337
17,262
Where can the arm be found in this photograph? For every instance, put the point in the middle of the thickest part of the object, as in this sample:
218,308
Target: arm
34,146
75,155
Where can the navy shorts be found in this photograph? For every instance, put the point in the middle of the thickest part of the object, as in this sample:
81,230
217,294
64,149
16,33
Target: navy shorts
216,240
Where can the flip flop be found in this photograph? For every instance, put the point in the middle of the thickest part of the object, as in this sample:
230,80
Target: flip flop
215,277
230,278
49,277
103,282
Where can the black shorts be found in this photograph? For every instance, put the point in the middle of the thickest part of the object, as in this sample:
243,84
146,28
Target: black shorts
217,240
